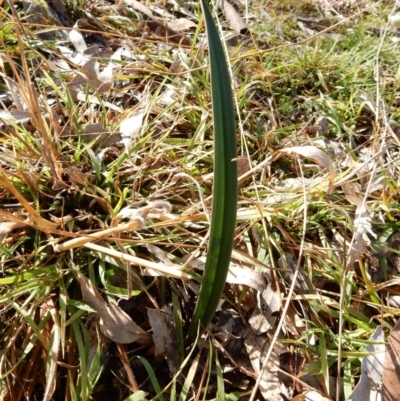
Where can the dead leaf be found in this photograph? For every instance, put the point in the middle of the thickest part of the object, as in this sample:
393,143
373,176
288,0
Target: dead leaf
243,166
51,374
137,221
19,117
271,386
76,58
259,322
233,17
164,336
391,370
362,225
89,75
77,39
313,153
237,274
371,370
310,395
351,191
136,5
115,324
6,227
181,24
130,127
164,32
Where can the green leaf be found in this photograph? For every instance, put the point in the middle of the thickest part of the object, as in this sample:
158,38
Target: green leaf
223,217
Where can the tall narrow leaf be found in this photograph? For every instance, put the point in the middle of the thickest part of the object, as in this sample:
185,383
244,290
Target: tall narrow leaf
223,218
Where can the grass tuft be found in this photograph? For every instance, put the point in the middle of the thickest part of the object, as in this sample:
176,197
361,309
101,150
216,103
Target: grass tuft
111,175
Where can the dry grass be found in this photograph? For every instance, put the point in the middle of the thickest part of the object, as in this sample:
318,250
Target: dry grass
318,138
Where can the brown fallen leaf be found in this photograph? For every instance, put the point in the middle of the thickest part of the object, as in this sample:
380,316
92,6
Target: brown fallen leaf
164,32
181,24
115,324
164,336
88,76
372,368
235,20
391,369
313,153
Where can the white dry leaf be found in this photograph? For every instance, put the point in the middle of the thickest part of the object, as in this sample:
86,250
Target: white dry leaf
168,96
362,225
74,57
136,5
372,367
270,304
245,276
310,395
262,318
394,19
272,301
154,209
130,127
394,300
271,387
17,116
236,275
259,323
313,153
181,24
256,348
107,74
77,39
233,17
56,64
16,92
88,75
6,227
115,324
376,183
51,373
368,100
93,99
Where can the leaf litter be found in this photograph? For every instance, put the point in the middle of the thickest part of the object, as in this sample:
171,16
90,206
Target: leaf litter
104,73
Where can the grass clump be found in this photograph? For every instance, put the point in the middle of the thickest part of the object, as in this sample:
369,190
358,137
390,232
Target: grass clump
118,158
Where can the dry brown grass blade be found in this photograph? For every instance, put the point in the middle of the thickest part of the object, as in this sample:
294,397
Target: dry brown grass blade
28,92
7,185
137,222
85,239
167,270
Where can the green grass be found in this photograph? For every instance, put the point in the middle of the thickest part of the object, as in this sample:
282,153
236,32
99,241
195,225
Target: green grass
54,187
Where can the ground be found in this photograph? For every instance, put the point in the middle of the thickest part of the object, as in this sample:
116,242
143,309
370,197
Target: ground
106,186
